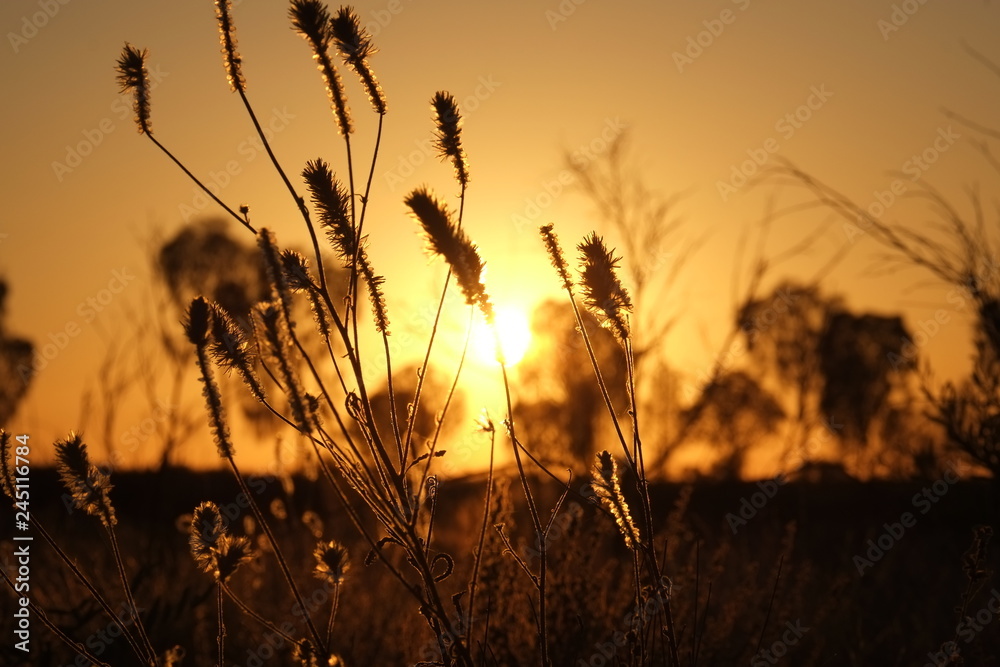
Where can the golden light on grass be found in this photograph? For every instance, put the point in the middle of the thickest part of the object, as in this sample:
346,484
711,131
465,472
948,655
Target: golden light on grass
515,337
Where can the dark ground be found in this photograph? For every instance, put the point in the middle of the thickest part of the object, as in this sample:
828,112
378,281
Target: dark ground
900,611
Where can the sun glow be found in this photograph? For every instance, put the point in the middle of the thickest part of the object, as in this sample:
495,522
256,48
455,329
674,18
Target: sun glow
515,337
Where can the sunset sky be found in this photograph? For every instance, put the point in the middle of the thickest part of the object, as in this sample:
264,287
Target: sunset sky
700,88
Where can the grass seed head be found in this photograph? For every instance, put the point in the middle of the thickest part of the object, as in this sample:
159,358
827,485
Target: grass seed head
375,294
608,489
227,35
603,292
199,321
445,238
332,201
134,78
311,19
355,46
556,255
231,350
206,531
448,134
196,325
332,562
88,486
275,271
231,552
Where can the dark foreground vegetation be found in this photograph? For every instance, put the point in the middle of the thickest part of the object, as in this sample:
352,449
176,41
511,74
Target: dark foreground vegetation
784,589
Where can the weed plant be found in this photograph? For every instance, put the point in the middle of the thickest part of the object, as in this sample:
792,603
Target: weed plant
556,571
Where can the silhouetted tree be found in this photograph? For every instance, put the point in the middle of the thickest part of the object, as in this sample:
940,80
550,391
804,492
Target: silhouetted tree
560,411
833,365
735,412
862,359
969,410
207,259
15,364
203,259
782,333
962,251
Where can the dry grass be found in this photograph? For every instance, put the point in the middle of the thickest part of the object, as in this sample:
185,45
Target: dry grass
526,566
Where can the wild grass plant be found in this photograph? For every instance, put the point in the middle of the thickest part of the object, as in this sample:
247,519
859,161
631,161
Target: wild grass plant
546,569
379,474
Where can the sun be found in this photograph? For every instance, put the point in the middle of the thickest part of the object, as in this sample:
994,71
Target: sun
515,337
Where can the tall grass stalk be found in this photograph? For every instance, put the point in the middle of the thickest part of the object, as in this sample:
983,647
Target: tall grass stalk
358,458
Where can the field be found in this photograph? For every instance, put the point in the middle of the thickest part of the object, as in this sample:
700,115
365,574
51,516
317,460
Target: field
572,541
900,612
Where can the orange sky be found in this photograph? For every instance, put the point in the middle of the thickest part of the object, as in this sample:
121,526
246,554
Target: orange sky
700,86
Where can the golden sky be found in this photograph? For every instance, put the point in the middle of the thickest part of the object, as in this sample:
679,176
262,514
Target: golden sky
700,87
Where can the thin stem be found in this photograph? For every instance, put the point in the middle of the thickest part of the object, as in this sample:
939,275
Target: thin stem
444,410
222,624
600,381
277,550
393,418
407,440
39,613
333,615
532,509
473,585
201,185
299,201
133,608
254,615
82,578
770,604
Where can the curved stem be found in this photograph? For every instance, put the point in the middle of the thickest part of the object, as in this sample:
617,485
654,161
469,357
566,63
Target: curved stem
133,609
473,584
532,510
277,550
39,613
257,617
